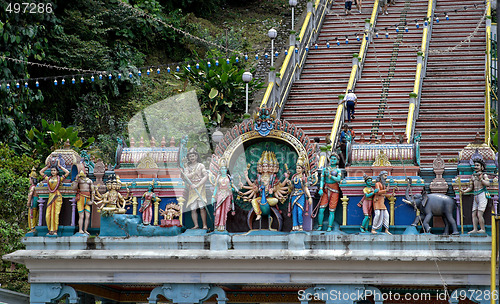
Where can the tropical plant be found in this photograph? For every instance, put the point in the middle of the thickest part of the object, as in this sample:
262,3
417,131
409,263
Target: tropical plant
54,136
221,88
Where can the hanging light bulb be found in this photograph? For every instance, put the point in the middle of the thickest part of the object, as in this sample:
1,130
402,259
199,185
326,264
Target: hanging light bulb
100,76
177,68
148,72
376,34
139,73
119,75
406,29
386,34
63,81
8,86
188,67
37,84
209,64
367,36
55,82
417,25
227,60
296,50
168,69
73,80
425,23
17,84
130,74
197,66
257,56
110,76
337,41
92,78
437,19
316,46
446,16
158,71
26,84
397,29
346,40
246,57
266,55
216,62
357,37
276,54
81,79
237,59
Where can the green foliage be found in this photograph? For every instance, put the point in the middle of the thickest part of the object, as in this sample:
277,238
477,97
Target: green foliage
222,97
54,136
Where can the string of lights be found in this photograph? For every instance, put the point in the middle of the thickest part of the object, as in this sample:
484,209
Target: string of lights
84,75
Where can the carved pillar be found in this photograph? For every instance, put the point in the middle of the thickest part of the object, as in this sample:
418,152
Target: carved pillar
41,202
134,205
345,202
392,203
495,204
156,211
42,293
73,211
187,293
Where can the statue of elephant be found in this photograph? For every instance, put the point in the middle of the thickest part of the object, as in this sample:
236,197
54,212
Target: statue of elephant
430,205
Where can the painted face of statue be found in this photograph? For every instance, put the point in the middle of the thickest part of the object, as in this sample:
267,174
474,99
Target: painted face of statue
192,158
384,176
265,168
114,186
223,170
333,160
53,171
108,186
369,182
478,167
299,169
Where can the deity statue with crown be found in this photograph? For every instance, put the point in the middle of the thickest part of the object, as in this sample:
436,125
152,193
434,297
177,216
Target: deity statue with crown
266,190
112,201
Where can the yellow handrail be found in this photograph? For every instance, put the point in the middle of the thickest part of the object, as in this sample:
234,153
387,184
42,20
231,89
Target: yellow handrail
362,50
487,103
418,74
267,94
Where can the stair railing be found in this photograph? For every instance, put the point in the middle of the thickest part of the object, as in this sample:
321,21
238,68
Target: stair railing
358,61
280,83
414,106
487,103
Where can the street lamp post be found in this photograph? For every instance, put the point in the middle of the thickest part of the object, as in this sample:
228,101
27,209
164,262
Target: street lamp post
272,34
293,3
247,77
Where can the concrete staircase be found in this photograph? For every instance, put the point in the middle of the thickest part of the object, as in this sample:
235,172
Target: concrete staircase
313,99
452,99
389,73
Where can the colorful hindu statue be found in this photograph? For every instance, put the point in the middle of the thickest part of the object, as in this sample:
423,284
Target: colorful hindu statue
84,199
266,191
222,197
329,191
381,217
112,201
55,200
477,185
196,176
367,202
300,199
148,198
32,203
